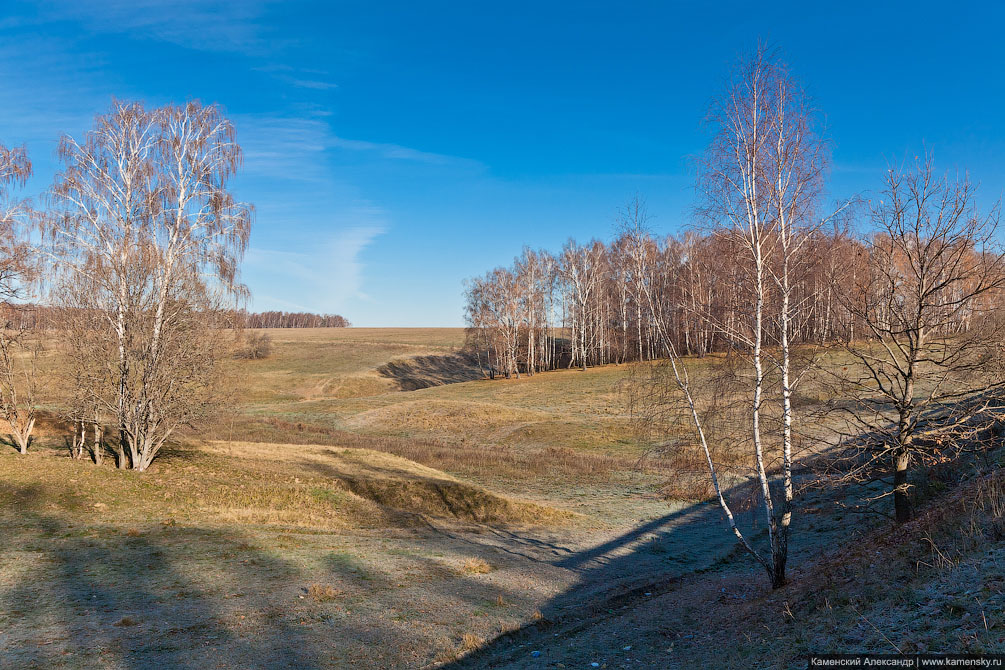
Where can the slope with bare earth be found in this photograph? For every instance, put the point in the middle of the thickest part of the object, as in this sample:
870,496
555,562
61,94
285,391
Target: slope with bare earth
935,585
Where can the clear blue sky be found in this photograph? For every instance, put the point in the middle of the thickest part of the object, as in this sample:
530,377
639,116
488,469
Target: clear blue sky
393,149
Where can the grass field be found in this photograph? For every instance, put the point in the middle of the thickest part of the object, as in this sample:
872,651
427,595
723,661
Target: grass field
366,499
324,501
536,434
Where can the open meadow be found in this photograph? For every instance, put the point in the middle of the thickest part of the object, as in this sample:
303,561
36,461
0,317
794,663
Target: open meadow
367,499
328,515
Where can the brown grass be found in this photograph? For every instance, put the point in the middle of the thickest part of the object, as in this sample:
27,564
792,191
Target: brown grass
476,566
502,460
930,585
470,642
254,483
322,593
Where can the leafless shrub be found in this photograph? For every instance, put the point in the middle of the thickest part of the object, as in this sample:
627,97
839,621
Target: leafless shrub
322,592
971,518
470,642
19,381
257,345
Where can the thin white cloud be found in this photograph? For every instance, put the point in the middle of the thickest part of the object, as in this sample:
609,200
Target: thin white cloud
204,25
322,280
299,77
294,147
398,152
285,148
312,84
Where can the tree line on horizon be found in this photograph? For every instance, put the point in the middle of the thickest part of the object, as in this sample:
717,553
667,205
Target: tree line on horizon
278,319
35,316
584,306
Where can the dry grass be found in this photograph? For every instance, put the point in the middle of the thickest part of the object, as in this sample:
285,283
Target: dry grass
471,458
334,363
210,547
933,585
292,485
322,386
451,417
319,448
470,642
476,566
322,593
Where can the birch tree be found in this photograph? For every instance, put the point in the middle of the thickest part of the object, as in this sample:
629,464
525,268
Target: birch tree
20,348
16,266
19,343
760,178
146,232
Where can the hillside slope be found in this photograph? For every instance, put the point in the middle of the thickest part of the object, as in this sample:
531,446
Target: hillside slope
935,585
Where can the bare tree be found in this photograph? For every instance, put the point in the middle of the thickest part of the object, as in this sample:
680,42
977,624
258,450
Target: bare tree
19,380
761,178
19,345
928,303
257,345
91,354
149,236
16,267
581,271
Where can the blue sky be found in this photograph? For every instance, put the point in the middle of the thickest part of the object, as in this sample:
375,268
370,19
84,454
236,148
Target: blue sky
394,149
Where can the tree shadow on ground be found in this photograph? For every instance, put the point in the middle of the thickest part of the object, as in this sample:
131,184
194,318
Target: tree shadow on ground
78,590
421,372
168,596
645,563
9,441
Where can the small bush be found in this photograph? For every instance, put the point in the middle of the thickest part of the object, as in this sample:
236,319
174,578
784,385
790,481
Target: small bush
322,592
476,566
257,345
470,642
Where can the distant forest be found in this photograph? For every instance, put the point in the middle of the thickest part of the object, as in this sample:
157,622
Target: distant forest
32,316
294,320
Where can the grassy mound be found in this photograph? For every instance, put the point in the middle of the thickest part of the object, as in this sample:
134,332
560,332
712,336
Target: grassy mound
392,483
253,483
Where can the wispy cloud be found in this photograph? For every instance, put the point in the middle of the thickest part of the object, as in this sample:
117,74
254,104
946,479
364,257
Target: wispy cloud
296,147
324,279
299,77
281,147
205,25
313,84
398,152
